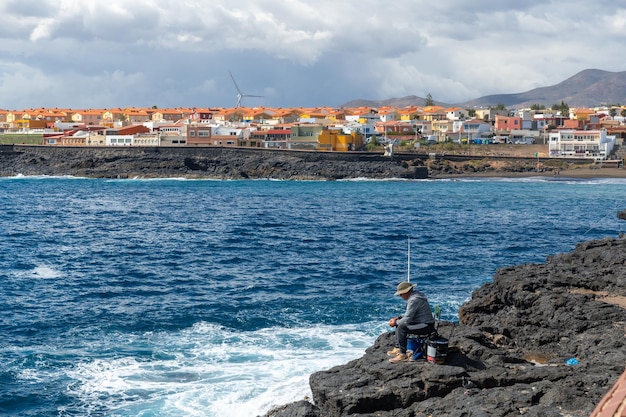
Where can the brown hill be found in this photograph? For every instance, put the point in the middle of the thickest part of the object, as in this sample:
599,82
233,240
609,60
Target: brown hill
588,88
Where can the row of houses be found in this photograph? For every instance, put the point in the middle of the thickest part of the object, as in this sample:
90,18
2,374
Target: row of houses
308,136
321,128
501,119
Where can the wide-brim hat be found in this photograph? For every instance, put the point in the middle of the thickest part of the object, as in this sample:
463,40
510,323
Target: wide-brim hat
403,288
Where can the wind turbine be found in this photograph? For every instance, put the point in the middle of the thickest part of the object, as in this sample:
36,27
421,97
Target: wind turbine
240,95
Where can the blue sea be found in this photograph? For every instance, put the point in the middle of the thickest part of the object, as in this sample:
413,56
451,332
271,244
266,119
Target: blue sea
175,297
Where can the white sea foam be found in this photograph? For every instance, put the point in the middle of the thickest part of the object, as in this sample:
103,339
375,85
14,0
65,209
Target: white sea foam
150,179
211,371
40,177
31,376
45,272
392,179
542,179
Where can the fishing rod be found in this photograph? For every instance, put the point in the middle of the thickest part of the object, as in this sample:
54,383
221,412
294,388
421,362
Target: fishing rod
408,256
437,308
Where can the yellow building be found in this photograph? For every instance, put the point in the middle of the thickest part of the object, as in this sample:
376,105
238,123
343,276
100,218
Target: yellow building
581,113
335,140
411,113
432,113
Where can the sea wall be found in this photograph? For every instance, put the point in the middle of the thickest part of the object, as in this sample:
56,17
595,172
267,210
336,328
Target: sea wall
203,162
540,340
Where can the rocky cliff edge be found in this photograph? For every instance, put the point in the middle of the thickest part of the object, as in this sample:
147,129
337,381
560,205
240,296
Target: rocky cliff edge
540,340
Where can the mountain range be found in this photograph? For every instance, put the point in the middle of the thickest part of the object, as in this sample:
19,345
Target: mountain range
588,88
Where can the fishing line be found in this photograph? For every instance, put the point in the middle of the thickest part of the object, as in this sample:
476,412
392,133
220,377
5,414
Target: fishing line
602,219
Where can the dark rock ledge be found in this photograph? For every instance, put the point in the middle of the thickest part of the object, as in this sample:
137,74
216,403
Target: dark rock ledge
203,162
255,163
508,353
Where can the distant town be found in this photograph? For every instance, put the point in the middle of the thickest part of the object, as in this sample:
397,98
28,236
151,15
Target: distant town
577,132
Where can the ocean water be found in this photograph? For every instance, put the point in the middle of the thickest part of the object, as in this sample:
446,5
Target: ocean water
220,298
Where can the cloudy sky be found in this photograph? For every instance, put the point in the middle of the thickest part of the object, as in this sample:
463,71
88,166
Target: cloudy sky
178,53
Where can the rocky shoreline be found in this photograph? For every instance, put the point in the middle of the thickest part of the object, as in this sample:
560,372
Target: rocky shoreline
249,163
509,352
207,162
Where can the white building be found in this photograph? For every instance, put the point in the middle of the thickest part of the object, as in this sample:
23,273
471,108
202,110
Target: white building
581,144
119,140
455,113
147,139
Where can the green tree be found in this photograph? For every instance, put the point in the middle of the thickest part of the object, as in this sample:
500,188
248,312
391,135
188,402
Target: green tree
471,112
613,112
500,106
623,113
537,107
563,108
372,144
429,100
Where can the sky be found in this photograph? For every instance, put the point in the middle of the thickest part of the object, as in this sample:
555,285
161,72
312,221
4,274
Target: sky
295,53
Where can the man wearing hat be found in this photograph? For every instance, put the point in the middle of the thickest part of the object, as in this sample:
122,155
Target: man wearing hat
418,319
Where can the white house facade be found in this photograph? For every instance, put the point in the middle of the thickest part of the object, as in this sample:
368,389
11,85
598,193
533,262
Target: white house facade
119,140
594,144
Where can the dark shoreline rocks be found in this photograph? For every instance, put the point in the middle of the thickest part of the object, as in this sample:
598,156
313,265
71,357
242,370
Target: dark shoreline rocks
203,162
247,163
508,355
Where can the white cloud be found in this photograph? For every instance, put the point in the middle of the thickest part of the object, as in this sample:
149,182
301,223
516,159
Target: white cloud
295,52
42,30
188,38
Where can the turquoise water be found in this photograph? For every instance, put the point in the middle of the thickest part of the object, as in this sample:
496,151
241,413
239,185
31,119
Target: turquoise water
219,298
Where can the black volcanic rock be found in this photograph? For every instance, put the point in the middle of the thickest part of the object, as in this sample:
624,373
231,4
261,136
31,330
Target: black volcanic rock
203,162
509,353
243,163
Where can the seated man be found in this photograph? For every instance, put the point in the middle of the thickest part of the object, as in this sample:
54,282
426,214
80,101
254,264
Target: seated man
418,319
